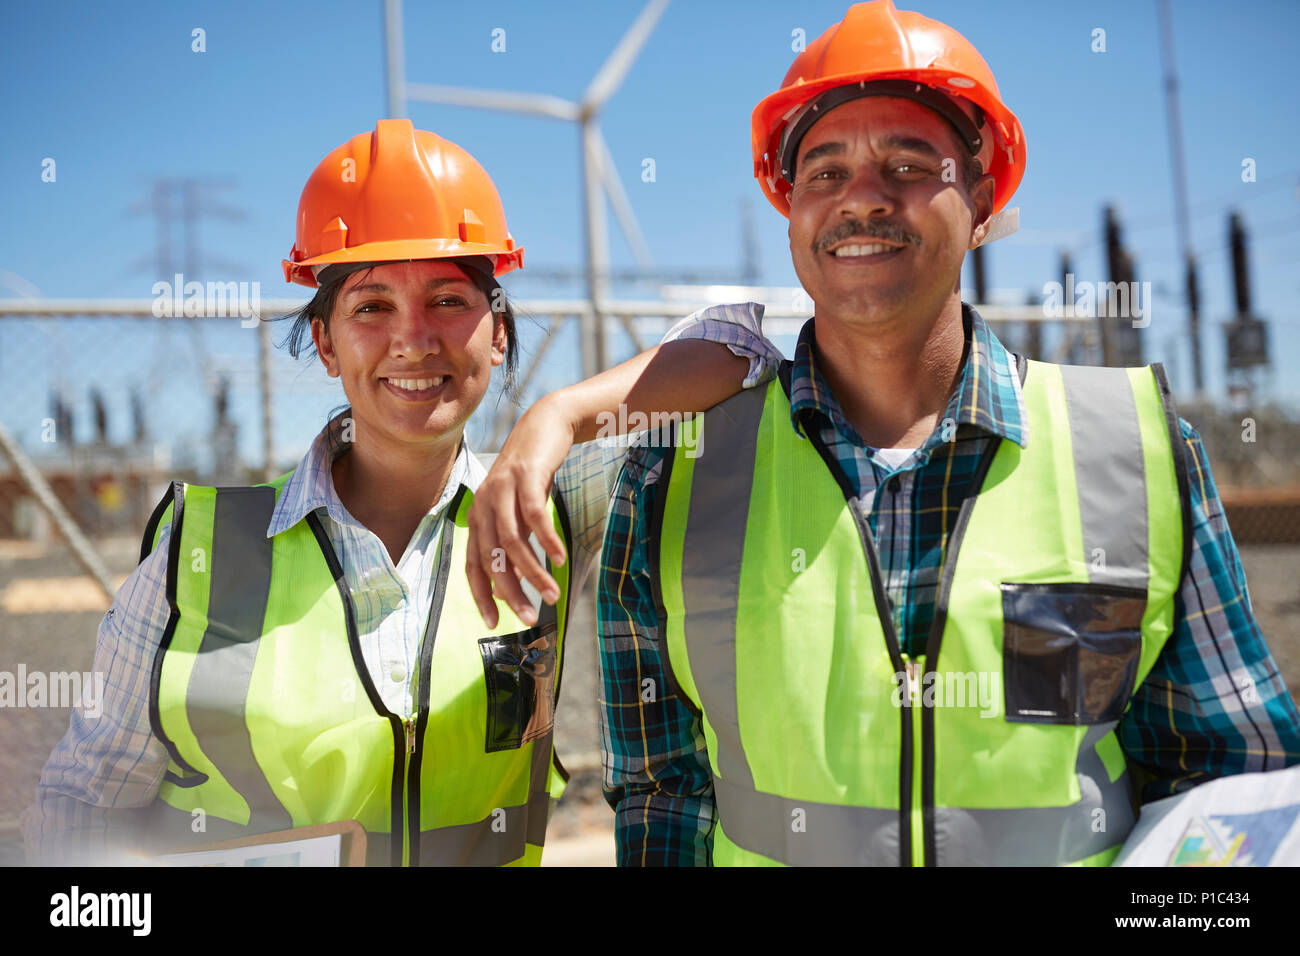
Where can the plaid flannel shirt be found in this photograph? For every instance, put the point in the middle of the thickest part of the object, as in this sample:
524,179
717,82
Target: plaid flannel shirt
1214,703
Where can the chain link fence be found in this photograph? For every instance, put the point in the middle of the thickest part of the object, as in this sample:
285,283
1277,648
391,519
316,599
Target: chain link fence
111,403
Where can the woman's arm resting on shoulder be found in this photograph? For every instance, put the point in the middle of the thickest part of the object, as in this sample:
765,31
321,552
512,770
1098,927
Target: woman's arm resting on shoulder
676,377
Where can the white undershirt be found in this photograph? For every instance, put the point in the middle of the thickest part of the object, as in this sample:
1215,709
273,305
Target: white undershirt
894,457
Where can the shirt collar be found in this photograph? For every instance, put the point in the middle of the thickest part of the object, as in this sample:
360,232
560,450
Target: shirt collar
987,395
311,485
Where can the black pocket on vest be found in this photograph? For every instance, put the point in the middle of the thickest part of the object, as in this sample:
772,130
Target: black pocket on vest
1069,651
520,669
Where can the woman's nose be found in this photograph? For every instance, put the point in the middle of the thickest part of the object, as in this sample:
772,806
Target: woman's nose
415,332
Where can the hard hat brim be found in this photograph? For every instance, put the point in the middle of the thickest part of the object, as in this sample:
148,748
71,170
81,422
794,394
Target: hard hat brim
399,250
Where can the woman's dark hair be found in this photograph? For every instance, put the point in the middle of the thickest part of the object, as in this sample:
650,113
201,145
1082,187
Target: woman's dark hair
299,340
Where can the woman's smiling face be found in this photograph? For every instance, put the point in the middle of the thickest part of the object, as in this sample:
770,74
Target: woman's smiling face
414,344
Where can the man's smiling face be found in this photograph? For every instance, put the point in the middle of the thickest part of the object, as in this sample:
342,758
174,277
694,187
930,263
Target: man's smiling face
879,223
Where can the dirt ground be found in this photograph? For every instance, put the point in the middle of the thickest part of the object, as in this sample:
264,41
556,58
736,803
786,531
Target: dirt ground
582,829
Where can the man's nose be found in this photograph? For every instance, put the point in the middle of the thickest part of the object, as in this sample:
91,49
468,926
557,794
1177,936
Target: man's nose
866,193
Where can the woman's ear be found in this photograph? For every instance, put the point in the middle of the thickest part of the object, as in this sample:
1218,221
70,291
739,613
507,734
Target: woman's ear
324,347
500,338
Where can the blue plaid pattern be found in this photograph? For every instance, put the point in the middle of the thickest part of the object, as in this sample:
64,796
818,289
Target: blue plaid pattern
1214,704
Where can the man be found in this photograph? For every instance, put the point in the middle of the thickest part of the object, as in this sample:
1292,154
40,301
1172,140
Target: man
919,601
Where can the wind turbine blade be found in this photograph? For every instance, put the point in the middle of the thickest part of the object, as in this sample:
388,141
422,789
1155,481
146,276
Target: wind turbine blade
622,207
620,61
533,104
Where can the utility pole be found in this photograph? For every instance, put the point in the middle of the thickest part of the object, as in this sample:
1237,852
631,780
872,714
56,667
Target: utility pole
1180,188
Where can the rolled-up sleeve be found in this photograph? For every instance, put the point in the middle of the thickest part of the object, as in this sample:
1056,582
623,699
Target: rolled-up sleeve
738,326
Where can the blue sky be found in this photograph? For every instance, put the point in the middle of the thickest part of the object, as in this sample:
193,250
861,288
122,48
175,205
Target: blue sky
114,93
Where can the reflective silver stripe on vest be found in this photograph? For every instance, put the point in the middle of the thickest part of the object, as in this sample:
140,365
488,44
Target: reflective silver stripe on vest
240,574
724,477
1043,836
1112,487
831,834
834,835
502,836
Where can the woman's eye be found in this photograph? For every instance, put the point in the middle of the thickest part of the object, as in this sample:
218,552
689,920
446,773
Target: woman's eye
452,300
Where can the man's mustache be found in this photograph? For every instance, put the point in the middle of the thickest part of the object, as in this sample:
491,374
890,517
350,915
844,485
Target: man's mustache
871,229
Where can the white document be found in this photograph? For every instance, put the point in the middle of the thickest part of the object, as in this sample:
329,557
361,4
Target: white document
316,851
1249,819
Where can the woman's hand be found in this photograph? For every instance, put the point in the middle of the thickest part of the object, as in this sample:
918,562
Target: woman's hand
510,503
680,376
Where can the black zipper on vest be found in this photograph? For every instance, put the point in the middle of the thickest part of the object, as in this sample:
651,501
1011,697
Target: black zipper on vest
935,640
363,673
891,641
425,676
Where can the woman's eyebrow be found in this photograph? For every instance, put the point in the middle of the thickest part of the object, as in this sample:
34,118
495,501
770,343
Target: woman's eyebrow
383,287
368,287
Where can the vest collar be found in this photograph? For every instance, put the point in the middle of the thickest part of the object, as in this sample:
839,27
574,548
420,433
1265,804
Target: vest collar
311,485
987,395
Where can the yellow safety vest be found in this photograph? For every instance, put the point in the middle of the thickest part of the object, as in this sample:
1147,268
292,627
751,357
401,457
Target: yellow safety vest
264,702
997,745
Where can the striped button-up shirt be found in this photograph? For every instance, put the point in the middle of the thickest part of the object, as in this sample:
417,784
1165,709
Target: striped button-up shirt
1213,704
108,767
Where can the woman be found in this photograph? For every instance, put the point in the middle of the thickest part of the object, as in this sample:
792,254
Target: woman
301,652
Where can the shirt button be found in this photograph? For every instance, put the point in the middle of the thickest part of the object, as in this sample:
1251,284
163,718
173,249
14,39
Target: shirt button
894,485
398,673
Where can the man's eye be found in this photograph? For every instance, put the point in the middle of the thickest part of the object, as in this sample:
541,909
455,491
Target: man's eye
910,169
452,300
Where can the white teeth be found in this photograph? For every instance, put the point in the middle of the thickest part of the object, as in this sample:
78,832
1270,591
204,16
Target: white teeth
870,250
417,384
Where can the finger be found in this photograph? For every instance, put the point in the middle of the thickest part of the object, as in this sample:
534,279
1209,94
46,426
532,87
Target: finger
480,551
524,561
481,587
508,590
537,518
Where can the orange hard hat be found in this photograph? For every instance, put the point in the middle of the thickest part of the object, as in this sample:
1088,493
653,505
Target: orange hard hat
885,51
398,193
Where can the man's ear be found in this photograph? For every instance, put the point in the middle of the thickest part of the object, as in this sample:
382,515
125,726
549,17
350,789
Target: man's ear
982,199
325,348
